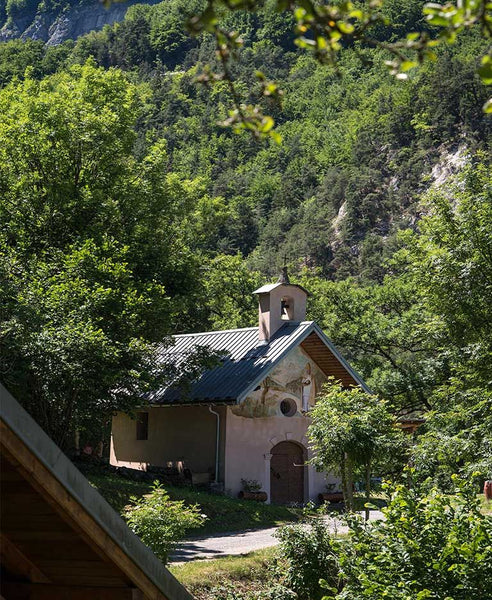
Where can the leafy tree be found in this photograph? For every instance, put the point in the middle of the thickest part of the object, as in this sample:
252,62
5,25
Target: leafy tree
3,12
453,259
351,430
429,319
324,30
228,292
388,331
19,8
18,56
456,436
94,264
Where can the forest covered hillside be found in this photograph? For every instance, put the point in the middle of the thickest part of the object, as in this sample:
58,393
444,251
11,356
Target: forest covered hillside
359,147
116,173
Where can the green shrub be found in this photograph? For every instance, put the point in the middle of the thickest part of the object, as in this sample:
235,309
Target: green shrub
160,522
277,591
305,555
429,546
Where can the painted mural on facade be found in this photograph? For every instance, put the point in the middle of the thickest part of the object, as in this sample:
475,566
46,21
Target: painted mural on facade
296,377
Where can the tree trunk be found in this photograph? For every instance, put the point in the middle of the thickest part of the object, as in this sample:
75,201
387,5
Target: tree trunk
349,504
368,487
77,442
343,472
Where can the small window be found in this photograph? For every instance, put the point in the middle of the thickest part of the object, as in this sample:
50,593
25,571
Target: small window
142,426
288,407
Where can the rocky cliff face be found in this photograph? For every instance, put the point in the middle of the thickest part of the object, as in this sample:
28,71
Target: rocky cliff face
54,28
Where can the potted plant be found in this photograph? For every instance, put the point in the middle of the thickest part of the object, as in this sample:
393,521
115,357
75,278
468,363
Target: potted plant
487,489
252,491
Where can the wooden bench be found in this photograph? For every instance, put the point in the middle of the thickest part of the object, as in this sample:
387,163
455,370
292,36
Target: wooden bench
331,497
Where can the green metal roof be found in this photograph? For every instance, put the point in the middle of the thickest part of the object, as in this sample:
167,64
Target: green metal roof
247,362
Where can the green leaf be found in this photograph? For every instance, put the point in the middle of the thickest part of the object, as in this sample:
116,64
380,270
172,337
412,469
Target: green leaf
485,70
406,65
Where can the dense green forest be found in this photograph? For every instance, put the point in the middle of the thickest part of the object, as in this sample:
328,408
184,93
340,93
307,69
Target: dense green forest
116,173
129,213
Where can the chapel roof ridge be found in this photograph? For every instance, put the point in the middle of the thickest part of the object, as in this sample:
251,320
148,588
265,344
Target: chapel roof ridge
180,335
214,331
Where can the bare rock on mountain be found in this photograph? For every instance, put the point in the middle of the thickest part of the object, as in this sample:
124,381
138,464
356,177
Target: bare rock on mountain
54,28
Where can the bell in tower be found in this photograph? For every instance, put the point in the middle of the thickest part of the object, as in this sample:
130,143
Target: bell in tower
284,307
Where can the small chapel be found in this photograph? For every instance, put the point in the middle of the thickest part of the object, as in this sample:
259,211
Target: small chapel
245,419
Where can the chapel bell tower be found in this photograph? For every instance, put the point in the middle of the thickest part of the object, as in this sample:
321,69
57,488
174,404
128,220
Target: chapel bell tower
279,303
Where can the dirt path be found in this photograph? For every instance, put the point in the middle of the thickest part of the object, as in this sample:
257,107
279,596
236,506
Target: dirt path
239,542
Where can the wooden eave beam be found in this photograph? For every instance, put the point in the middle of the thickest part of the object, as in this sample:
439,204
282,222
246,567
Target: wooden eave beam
37,591
325,359
73,513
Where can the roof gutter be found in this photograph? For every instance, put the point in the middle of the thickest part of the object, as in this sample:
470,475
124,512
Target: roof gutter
217,442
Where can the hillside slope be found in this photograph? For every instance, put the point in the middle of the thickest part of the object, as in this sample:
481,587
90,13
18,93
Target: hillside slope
359,147
116,173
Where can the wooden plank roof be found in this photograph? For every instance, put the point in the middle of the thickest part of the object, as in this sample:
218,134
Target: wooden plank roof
327,361
59,538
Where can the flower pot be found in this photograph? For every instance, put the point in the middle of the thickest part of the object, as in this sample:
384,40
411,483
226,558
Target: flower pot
487,489
257,496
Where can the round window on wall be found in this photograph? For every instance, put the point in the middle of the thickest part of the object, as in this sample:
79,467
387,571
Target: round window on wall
288,407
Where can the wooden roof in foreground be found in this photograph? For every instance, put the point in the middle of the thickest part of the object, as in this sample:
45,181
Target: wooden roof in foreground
60,540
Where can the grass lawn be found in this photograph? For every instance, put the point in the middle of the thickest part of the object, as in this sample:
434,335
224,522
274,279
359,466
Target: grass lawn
376,499
486,505
212,579
224,513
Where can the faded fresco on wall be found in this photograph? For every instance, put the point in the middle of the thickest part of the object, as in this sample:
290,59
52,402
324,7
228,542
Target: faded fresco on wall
296,376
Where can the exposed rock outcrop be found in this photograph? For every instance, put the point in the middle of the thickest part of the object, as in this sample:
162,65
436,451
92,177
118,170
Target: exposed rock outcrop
450,163
54,28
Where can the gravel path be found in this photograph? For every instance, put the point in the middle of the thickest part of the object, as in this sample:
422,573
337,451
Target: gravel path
239,542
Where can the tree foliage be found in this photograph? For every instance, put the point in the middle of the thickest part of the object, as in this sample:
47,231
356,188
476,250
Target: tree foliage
351,431
325,29
304,556
133,192
95,266
456,437
429,546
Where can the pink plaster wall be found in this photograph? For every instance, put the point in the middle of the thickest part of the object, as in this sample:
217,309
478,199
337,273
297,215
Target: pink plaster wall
256,425
248,431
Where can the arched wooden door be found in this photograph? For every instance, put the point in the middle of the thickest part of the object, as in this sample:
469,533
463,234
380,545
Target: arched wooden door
286,473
